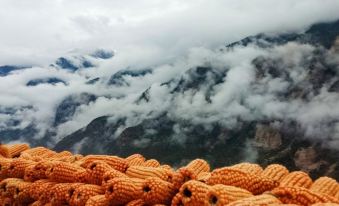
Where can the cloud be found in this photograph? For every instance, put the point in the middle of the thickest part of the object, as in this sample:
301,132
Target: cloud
169,37
36,32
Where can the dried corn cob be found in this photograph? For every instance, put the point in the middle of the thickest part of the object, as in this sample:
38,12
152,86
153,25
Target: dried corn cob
123,190
157,191
238,178
4,164
296,179
194,193
135,156
145,172
62,193
298,195
325,185
11,151
220,195
96,171
19,193
168,167
62,154
249,168
204,176
151,163
259,200
177,200
138,202
190,172
66,172
39,187
135,160
325,204
98,200
39,151
38,170
17,167
275,172
109,175
83,193
6,201
117,163
5,184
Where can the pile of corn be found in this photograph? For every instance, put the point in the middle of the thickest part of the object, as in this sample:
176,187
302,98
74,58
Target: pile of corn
39,176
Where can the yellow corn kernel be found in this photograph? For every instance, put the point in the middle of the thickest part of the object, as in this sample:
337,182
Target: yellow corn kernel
96,171
259,200
296,179
117,163
98,200
177,200
151,163
11,151
299,195
194,193
234,177
275,172
249,168
109,175
220,195
325,185
83,193
66,172
17,167
121,190
137,202
145,172
61,193
157,191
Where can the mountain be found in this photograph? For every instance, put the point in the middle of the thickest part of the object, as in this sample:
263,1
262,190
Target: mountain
266,98
288,77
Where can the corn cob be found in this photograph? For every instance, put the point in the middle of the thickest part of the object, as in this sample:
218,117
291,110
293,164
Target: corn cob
177,200
17,167
6,201
325,204
123,190
298,195
296,179
62,154
98,200
4,164
135,156
145,172
37,171
168,167
194,193
20,194
275,172
337,195
190,172
249,168
96,171
220,195
62,193
39,151
151,163
5,184
157,191
66,172
204,176
137,202
117,163
238,178
325,185
39,187
259,200
11,151
135,160
109,175
83,193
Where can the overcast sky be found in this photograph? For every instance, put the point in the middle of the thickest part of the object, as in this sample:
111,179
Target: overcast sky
37,31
